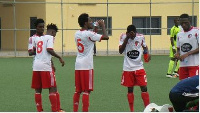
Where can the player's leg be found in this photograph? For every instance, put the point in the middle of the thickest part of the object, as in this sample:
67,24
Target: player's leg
36,84
78,90
145,95
141,80
170,68
127,80
49,82
177,68
87,87
130,97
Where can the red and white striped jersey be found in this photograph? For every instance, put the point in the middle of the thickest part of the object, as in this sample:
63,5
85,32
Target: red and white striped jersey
133,52
188,41
85,43
42,60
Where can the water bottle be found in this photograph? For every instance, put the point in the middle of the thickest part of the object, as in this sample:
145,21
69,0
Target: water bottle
95,24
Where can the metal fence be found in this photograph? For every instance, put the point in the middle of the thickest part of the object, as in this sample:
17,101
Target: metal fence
109,6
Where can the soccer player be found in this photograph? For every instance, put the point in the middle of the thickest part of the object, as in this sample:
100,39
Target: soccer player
43,74
85,40
173,38
183,92
188,49
131,45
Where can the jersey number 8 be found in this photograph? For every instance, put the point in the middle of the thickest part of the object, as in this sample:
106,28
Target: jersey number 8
39,46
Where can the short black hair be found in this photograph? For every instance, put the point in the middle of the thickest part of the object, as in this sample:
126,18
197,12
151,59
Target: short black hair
38,21
52,26
131,28
184,16
82,19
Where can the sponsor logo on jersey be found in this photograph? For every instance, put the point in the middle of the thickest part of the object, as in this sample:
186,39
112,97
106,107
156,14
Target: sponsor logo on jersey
186,47
134,54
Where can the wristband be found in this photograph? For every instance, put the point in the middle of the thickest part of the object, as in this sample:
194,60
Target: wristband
173,47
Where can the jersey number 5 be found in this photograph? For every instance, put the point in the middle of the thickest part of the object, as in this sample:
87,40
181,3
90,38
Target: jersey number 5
39,46
80,46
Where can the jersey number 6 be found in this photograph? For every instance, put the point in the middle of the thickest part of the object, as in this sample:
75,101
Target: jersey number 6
80,46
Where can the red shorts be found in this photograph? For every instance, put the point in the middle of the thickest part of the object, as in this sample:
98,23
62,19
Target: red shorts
84,80
43,79
185,72
134,78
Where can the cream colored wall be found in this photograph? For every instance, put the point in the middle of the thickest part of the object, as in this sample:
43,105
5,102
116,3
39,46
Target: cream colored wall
121,17
23,14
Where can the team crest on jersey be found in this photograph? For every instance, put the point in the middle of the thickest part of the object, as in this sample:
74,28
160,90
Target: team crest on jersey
136,43
190,35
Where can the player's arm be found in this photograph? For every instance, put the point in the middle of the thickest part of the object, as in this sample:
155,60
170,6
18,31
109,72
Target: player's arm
31,52
146,51
52,65
105,35
172,40
123,46
196,51
52,52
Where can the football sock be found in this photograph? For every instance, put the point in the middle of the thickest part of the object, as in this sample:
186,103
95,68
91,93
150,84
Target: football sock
130,97
145,98
177,66
58,100
76,101
85,100
53,100
38,101
171,65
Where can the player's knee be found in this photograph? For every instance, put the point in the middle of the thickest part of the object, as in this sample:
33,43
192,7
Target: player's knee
38,90
143,88
130,89
52,90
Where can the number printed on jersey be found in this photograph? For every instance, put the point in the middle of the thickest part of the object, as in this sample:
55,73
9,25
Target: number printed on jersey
80,46
39,46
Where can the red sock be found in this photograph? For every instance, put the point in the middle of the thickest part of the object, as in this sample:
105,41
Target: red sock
58,100
38,102
130,97
85,100
53,100
76,101
145,98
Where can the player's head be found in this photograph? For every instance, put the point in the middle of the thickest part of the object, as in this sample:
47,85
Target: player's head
176,21
185,22
39,25
52,29
85,21
131,28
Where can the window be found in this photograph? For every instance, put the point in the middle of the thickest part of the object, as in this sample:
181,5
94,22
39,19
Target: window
170,22
144,22
105,21
32,26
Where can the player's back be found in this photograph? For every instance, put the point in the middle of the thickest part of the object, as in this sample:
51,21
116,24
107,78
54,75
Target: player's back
85,43
43,58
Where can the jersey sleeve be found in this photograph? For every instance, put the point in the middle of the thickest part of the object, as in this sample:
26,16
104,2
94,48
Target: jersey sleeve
30,45
121,40
197,36
50,42
94,36
144,42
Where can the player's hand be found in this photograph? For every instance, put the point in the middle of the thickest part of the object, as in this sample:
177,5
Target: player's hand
182,57
62,61
101,23
174,51
149,57
130,34
177,56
